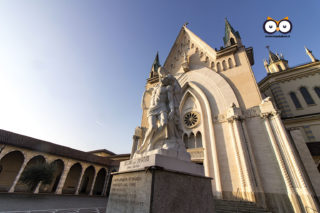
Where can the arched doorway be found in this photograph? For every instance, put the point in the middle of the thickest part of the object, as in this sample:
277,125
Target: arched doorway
87,180
10,165
98,186
21,187
59,166
71,183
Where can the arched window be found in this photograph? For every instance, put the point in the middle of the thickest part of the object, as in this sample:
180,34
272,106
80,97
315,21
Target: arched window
185,140
212,65
232,42
317,90
279,67
306,95
191,141
218,67
230,63
295,100
198,140
224,65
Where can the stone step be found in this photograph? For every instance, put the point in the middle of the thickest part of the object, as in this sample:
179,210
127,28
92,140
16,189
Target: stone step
228,206
235,201
232,211
241,210
239,206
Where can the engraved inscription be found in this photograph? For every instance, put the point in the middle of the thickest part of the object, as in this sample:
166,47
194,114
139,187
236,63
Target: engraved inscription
130,191
136,163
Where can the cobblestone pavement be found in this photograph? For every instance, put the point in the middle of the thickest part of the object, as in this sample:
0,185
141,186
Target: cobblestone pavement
46,203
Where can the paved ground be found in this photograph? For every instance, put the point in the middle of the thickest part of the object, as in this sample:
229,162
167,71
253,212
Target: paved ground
23,203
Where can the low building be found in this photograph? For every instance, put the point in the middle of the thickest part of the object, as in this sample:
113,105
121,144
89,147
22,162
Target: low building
77,172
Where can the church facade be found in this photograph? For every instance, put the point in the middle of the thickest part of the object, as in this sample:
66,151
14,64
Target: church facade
229,128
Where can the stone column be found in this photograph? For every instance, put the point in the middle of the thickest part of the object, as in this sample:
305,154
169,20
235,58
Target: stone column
293,162
260,195
307,159
63,178
244,160
291,193
234,117
12,188
104,190
79,182
1,151
36,191
237,157
93,182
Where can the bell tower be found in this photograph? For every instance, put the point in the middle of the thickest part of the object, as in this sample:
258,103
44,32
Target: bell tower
276,62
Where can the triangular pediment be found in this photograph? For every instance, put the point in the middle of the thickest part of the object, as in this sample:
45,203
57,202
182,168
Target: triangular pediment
188,46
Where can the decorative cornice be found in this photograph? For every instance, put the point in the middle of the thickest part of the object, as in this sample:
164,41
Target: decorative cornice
290,74
271,114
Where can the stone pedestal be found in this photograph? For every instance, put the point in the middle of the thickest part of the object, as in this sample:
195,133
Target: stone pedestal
167,162
158,190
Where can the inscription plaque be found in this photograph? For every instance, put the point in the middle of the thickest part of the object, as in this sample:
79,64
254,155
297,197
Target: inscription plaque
130,192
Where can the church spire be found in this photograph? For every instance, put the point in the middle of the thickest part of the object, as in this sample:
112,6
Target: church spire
309,53
231,36
155,65
276,63
153,76
272,57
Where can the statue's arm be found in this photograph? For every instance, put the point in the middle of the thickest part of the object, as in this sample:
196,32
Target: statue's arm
171,101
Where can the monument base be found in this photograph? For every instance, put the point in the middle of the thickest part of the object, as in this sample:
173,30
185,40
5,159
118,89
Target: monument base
158,190
167,162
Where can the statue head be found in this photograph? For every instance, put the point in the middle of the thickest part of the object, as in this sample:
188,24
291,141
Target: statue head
165,81
161,72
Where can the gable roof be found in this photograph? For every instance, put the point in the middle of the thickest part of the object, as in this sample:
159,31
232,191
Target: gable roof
180,42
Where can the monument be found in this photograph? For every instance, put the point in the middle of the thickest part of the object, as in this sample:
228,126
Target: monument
160,177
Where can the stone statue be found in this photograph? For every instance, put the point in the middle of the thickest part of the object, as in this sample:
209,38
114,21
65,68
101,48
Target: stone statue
164,134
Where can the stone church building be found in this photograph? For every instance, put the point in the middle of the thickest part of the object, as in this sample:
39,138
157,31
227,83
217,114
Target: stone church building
233,130
296,93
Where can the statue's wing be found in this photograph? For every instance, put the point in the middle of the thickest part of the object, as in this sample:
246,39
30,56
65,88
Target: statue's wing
146,97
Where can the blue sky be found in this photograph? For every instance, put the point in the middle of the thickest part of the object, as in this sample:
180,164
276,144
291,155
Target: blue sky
72,71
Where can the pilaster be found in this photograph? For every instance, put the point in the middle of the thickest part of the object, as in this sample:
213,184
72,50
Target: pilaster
25,162
79,182
63,178
93,182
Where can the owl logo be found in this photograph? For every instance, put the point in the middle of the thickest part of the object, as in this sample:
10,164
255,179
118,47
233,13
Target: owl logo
270,26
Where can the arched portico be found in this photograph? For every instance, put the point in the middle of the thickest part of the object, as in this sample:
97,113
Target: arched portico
21,187
72,179
10,166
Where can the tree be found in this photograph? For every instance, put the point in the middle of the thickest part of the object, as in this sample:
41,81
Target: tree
43,172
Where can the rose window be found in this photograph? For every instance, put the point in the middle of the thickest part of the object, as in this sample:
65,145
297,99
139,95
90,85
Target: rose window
191,119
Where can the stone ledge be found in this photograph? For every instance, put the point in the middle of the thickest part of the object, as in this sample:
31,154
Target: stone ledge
168,163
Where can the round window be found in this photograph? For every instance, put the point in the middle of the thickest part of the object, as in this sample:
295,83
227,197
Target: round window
191,119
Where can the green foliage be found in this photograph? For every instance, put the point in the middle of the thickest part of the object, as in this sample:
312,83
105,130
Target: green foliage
33,174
